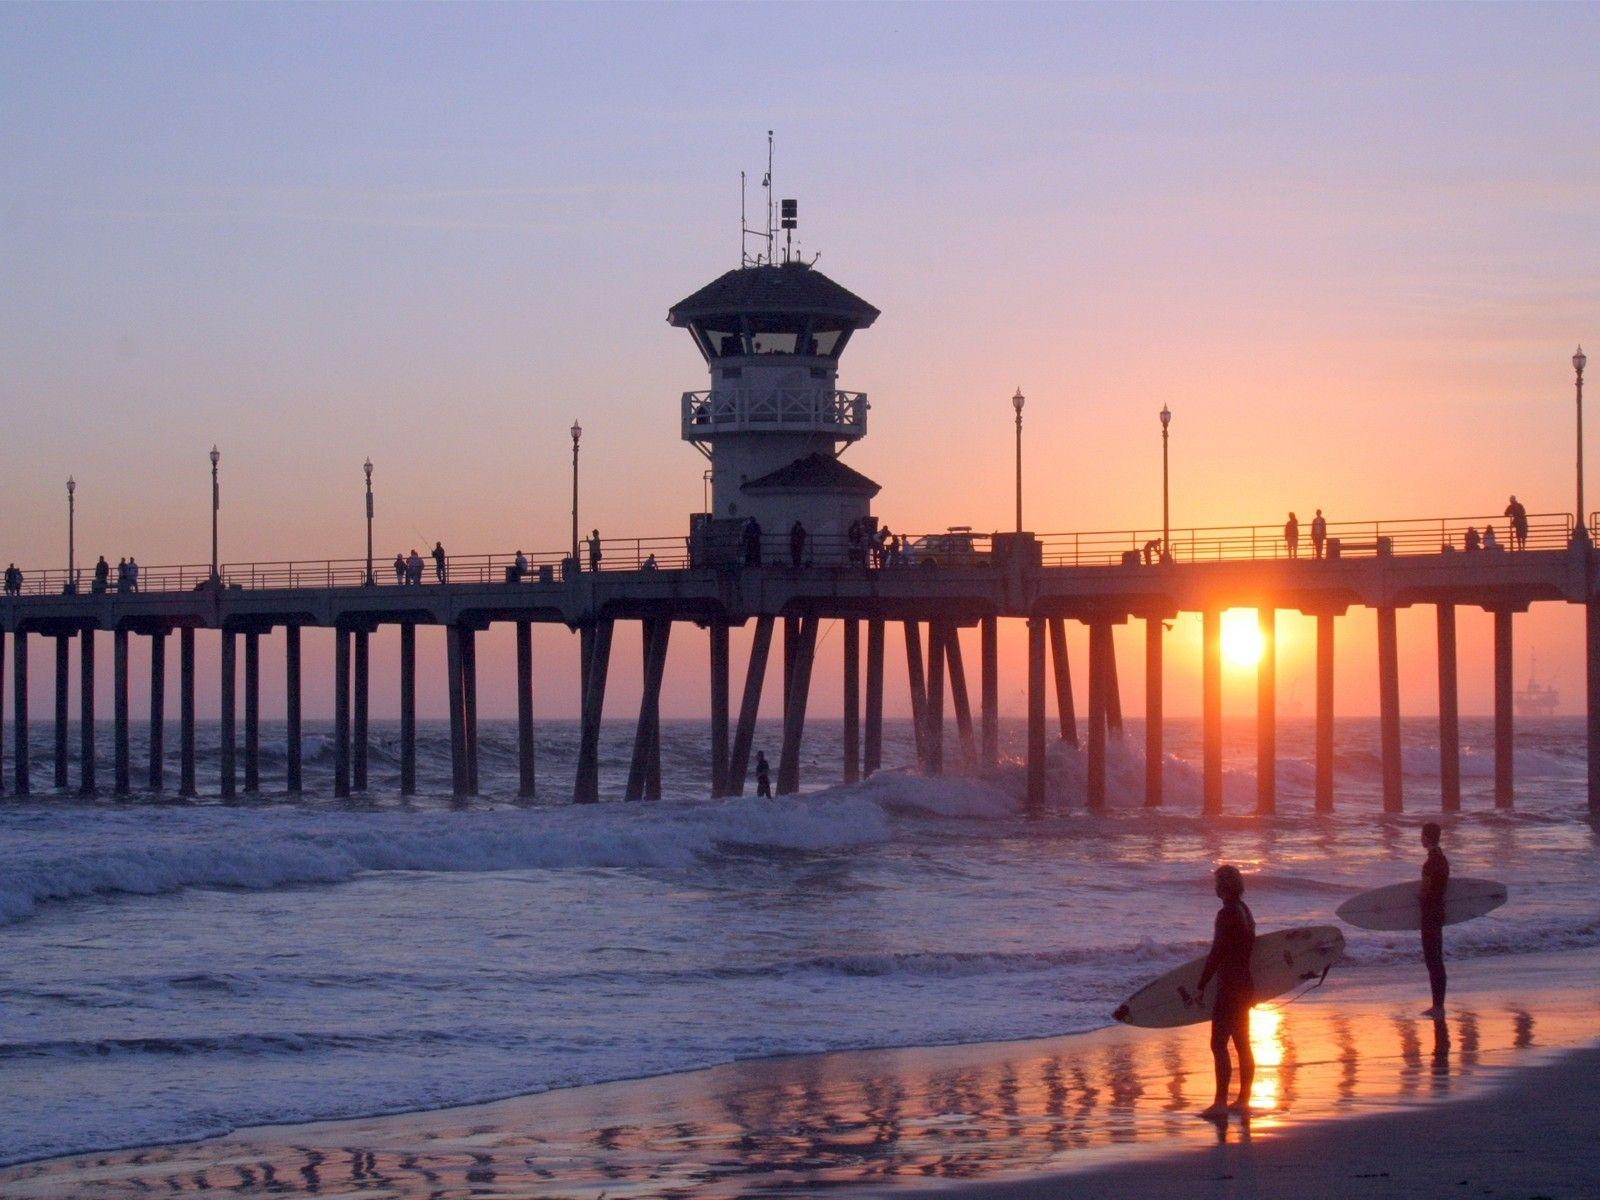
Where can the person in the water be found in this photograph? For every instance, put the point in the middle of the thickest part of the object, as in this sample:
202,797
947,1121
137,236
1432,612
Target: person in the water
1229,962
1435,881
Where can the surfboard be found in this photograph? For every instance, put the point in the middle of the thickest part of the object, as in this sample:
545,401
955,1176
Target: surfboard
1280,961
1397,906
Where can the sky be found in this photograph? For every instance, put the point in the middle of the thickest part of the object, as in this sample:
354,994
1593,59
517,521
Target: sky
1351,247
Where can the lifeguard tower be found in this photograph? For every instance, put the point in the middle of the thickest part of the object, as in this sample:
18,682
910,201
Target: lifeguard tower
773,422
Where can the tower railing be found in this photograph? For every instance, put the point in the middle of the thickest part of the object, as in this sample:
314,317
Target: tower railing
802,409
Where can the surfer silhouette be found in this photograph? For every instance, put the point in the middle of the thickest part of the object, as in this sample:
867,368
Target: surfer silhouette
1435,881
1229,961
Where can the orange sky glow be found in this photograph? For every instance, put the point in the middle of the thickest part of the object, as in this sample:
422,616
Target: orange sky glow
1351,248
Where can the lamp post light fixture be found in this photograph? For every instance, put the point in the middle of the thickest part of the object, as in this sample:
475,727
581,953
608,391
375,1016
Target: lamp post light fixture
1580,529
1017,402
577,432
72,521
1166,509
216,504
367,468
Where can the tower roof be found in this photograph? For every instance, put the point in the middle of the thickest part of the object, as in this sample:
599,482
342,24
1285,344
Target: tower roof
814,473
792,287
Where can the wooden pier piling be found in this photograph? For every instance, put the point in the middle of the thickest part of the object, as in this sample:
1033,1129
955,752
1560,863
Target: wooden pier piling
872,741
852,700
935,702
525,763
1099,713
408,708
989,685
1154,751
469,703
86,762
1449,714
1267,713
1503,686
1211,712
1591,628
750,705
720,698
1389,712
916,682
360,741
1036,763
647,734
252,712
121,766
1065,712
293,758
157,778
229,673
596,639
794,717
63,649
960,701
186,780
21,748
1323,802
341,712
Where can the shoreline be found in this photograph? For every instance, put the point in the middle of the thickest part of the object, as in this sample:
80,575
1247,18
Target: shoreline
985,1119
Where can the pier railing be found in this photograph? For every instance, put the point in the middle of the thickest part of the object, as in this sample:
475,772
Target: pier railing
946,549
1346,539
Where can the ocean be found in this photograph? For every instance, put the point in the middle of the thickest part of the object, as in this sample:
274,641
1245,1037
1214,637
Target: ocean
175,969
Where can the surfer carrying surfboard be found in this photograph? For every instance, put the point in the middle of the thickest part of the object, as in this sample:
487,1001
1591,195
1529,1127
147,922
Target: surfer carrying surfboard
1435,882
1232,942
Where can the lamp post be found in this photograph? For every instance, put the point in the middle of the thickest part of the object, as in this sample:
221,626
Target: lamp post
577,432
1166,510
367,468
72,521
216,504
1580,531
1017,402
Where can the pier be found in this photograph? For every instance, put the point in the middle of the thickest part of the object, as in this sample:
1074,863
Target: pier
1043,581
788,540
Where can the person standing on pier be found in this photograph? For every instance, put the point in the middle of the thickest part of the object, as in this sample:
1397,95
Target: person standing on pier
399,569
414,568
855,536
13,580
440,563
752,542
1472,540
1232,942
797,544
1519,524
1435,882
1291,535
763,776
102,576
133,574
880,547
1319,534
594,549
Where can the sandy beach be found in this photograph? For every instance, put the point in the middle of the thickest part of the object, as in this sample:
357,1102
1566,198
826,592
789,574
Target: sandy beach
1358,1096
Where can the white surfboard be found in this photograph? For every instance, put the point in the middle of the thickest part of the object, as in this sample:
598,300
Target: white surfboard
1280,961
1398,906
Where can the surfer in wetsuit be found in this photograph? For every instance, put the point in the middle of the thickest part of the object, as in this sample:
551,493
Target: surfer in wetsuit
1435,880
1229,961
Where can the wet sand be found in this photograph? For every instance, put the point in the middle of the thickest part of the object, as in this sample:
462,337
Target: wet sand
1487,1096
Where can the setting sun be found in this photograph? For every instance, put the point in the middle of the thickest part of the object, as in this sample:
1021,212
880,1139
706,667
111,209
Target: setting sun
1241,637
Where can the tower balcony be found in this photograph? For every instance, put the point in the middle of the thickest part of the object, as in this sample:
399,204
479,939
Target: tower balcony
709,414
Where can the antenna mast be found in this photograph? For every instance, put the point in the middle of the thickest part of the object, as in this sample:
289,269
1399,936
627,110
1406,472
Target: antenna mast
769,231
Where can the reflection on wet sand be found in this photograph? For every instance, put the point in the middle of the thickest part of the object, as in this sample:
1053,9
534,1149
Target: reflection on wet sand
855,1121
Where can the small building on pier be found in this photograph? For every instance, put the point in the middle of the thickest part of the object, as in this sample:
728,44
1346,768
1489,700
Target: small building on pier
774,422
